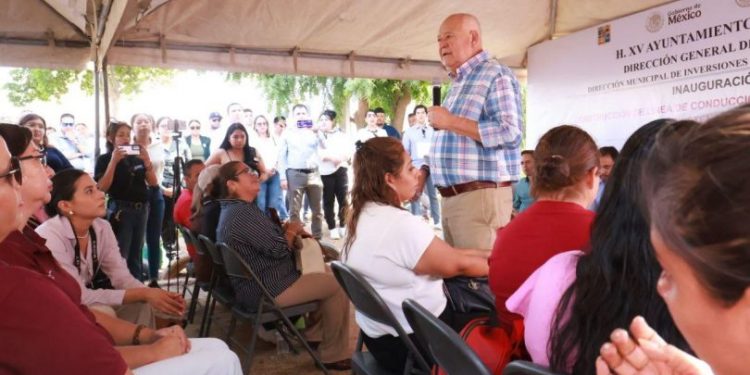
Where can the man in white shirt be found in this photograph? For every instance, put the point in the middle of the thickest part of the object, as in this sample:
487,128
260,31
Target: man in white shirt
417,140
334,172
299,167
371,129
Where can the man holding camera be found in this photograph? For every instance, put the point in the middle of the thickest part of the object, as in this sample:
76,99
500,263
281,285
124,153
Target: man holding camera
298,162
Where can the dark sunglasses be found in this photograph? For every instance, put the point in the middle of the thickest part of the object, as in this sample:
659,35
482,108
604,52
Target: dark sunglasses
14,171
41,157
67,124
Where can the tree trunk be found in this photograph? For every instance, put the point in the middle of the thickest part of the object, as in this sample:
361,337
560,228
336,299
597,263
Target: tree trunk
401,104
359,116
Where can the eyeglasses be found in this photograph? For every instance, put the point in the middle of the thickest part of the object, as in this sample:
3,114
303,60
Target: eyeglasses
195,128
67,124
41,157
247,170
14,170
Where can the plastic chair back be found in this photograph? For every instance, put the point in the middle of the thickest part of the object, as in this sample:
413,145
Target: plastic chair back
445,345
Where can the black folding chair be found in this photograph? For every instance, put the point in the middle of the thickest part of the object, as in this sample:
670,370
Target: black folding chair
190,239
446,347
267,310
526,368
219,288
368,302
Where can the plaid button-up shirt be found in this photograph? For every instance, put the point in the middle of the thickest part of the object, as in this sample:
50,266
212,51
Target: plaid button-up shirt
486,92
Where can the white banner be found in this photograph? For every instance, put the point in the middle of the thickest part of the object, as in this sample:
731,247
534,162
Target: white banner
687,59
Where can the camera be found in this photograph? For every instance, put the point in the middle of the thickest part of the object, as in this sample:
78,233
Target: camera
304,124
131,149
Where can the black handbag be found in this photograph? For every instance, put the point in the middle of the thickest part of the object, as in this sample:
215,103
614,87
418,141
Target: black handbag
469,294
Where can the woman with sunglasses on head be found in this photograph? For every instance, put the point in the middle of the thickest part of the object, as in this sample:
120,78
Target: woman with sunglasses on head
267,248
698,199
270,195
126,174
144,126
38,127
200,146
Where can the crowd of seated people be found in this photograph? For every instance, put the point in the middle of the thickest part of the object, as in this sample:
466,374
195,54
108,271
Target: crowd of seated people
42,303
665,251
572,302
669,235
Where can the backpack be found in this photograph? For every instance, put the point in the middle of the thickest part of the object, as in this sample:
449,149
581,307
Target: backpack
495,345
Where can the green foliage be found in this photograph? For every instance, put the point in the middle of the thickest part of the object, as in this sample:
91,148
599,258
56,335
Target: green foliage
28,85
284,90
44,84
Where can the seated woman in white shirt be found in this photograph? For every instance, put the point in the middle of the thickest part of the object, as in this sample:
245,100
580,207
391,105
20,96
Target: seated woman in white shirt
395,251
86,247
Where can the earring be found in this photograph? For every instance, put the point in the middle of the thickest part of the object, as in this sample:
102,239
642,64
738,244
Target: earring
70,213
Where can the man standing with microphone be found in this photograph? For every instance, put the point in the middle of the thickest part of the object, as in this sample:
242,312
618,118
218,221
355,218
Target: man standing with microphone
475,152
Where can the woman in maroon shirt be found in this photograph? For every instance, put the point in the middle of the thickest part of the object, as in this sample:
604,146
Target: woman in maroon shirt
567,162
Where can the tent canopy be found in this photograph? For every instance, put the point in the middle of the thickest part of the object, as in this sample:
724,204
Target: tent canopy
351,38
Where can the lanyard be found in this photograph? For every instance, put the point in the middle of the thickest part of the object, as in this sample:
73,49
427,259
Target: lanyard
77,250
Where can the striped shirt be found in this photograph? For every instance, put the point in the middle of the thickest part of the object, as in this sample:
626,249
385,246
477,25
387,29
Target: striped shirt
488,93
262,244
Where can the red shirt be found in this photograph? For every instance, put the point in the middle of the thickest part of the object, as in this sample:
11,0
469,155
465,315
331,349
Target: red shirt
28,250
43,331
182,214
542,231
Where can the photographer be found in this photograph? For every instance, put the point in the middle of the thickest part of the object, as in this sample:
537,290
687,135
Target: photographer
125,172
86,247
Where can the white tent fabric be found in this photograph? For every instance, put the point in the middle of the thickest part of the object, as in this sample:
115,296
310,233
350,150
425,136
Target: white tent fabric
363,38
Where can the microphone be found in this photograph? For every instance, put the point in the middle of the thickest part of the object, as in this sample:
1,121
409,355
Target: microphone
436,93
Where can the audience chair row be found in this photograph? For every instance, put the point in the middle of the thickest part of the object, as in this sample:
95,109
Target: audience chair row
442,344
227,263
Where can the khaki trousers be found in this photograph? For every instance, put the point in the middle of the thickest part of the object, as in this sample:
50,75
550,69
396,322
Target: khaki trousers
330,323
471,220
136,312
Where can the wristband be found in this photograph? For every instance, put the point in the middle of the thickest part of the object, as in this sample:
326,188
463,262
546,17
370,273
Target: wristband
137,333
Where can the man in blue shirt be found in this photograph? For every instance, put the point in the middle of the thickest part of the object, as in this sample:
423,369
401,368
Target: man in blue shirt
298,166
417,140
390,130
475,152
522,198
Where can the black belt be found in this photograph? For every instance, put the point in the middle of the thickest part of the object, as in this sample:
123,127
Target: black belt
306,170
136,205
